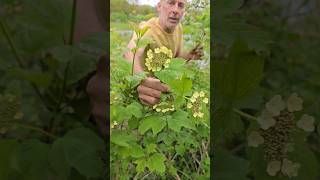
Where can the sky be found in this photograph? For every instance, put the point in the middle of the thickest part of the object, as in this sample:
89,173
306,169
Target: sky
147,2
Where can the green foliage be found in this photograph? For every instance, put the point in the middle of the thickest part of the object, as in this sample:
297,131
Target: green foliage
44,109
156,142
258,54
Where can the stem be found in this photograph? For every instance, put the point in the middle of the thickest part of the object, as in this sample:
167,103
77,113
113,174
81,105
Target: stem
73,19
34,128
184,174
134,55
9,39
248,116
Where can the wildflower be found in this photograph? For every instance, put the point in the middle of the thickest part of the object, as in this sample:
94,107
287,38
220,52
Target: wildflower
195,103
158,59
189,105
306,123
275,105
294,103
277,137
289,168
255,139
273,168
266,120
164,107
205,100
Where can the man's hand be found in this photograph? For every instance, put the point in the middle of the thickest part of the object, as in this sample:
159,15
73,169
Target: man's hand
150,90
196,53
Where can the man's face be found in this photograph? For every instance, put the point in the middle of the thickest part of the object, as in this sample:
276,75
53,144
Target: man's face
171,12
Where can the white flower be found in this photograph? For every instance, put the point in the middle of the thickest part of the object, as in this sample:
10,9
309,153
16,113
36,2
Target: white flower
189,105
275,105
195,95
273,168
255,139
205,100
306,123
200,114
294,103
201,94
115,123
266,120
289,168
195,114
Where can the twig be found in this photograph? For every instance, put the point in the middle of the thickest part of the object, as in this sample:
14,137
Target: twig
241,113
30,127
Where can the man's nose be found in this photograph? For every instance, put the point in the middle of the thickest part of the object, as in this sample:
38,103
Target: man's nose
175,8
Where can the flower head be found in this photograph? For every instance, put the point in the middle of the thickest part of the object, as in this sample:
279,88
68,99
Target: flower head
306,123
255,139
266,120
273,168
289,168
158,59
275,105
294,103
163,107
196,101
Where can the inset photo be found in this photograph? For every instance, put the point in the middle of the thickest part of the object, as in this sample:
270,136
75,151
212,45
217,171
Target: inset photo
160,89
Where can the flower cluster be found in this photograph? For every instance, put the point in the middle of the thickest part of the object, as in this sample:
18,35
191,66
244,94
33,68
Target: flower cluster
277,125
195,103
10,110
163,107
158,59
287,168
113,124
114,97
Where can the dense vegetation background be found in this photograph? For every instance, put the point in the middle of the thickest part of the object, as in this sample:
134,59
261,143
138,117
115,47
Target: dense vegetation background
149,143
263,49
44,109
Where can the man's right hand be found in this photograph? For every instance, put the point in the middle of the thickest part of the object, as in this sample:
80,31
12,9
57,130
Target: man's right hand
150,90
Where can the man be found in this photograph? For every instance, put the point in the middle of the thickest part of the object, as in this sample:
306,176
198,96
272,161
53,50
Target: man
91,18
165,30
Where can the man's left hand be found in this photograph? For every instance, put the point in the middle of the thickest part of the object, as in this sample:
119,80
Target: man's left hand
196,53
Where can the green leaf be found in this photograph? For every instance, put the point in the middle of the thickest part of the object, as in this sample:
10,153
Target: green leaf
119,113
78,63
121,138
141,165
58,161
135,80
227,123
181,86
82,148
136,151
180,119
156,163
153,122
238,75
151,148
226,7
38,78
135,109
9,158
228,167
34,160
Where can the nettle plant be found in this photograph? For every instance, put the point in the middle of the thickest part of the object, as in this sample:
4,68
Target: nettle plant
169,139
277,136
